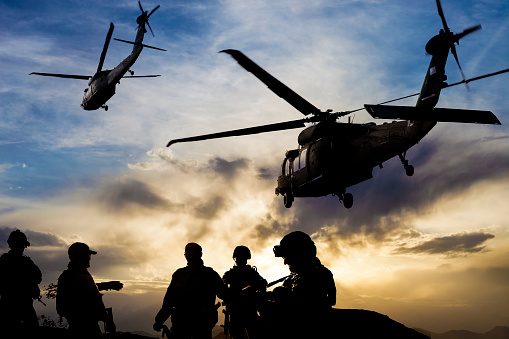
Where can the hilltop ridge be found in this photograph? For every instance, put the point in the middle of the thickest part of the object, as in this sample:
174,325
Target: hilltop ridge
499,332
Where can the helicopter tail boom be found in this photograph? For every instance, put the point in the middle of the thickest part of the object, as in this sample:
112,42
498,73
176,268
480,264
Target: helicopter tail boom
436,114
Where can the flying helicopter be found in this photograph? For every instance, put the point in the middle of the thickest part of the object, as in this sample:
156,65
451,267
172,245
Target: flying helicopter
101,86
333,156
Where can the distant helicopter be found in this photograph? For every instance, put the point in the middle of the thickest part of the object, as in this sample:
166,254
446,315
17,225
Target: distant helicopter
333,156
101,86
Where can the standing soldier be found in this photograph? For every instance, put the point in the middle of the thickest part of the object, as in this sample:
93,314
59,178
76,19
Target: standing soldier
190,298
19,280
307,296
243,281
78,297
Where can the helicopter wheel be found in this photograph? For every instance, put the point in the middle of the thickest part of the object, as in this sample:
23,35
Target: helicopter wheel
348,200
409,170
288,200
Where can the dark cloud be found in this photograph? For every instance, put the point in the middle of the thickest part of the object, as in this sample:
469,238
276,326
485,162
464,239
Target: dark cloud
124,194
269,226
227,168
209,208
453,245
268,173
35,238
216,165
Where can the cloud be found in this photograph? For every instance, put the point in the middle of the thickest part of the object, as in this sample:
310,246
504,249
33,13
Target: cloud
210,207
124,194
227,168
462,244
5,167
36,239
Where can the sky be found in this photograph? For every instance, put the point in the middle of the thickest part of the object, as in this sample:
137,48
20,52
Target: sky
430,251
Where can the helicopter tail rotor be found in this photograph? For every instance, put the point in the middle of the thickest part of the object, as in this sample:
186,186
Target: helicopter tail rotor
453,39
143,18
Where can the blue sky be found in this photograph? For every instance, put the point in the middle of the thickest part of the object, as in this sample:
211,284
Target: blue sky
416,249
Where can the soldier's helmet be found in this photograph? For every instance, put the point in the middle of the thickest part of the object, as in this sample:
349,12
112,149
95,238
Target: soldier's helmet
242,252
17,238
296,245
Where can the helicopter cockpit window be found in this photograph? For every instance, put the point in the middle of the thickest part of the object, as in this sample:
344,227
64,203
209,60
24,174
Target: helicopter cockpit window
300,161
288,167
302,158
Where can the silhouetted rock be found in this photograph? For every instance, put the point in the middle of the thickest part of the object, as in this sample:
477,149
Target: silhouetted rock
499,332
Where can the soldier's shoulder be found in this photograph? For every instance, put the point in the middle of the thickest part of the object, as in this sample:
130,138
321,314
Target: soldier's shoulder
324,272
180,271
228,273
210,271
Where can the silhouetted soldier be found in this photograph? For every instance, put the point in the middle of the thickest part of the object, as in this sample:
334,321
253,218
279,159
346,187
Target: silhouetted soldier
243,282
19,280
190,298
78,297
306,298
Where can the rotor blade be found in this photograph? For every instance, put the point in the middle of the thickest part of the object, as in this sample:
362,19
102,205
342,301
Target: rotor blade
105,48
139,3
276,86
442,16
478,78
140,76
453,51
436,114
67,76
134,43
151,31
244,131
148,16
458,36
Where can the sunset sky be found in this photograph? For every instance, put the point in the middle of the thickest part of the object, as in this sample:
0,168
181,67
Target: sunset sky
430,251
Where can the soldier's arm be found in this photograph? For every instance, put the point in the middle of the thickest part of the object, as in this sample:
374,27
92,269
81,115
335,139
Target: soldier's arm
167,307
110,285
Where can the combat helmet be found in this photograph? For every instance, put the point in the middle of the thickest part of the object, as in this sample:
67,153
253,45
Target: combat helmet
242,252
296,244
17,238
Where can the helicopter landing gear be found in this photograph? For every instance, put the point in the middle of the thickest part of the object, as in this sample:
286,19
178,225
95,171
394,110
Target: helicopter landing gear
288,199
131,72
105,107
409,169
347,199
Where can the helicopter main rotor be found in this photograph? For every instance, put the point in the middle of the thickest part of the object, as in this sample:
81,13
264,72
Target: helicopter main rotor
294,99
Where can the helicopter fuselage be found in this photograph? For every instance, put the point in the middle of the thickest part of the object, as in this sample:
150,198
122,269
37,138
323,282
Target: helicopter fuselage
329,163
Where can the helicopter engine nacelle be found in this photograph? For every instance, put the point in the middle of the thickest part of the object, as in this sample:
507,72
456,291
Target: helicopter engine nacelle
438,44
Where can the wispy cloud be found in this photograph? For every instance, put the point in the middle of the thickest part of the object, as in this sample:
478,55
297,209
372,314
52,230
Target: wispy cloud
452,246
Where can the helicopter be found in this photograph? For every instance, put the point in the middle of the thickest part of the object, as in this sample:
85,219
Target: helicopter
333,156
101,86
